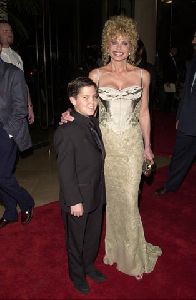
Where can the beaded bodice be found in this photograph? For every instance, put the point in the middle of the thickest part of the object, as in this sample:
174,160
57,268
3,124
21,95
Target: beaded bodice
119,109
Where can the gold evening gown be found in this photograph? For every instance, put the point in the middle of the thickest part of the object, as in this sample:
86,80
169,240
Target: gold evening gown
125,243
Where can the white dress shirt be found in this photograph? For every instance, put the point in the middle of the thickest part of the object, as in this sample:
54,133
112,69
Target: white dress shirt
12,57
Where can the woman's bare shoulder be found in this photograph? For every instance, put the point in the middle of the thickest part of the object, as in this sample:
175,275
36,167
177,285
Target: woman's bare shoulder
136,69
145,75
94,71
97,72
94,74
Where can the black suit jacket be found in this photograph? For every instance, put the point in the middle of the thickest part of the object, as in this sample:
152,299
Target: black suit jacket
80,164
187,107
13,104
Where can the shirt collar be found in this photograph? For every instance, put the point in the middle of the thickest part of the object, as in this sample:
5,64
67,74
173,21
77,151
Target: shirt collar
6,49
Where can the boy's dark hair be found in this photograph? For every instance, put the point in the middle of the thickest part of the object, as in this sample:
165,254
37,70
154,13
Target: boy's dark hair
75,85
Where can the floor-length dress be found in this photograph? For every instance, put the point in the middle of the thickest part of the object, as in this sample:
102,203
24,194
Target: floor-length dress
125,243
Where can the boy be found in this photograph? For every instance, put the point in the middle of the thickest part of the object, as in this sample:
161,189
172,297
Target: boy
80,160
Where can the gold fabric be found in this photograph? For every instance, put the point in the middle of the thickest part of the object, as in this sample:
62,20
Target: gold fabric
125,243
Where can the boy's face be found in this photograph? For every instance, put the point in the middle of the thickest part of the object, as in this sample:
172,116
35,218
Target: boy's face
86,101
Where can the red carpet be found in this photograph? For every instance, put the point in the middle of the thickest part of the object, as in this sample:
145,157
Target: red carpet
163,132
33,259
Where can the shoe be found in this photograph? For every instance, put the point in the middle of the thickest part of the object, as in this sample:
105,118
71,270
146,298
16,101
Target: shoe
139,277
81,286
160,191
4,222
97,276
26,216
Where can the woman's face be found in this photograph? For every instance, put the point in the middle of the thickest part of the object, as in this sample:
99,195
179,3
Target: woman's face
119,48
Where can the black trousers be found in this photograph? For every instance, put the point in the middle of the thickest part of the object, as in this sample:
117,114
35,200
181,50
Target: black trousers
182,159
83,238
11,193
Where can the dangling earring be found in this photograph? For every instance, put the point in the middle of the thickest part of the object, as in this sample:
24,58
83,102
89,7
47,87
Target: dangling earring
129,57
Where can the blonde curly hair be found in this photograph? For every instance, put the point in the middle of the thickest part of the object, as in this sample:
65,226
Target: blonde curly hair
115,26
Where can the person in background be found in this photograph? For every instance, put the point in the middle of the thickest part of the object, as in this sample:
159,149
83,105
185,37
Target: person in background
80,160
170,77
14,135
10,56
185,147
125,125
141,61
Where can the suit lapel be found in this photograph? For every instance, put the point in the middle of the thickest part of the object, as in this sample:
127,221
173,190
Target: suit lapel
96,135
93,137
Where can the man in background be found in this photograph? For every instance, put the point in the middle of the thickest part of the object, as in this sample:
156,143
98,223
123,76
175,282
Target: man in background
10,56
185,146
141,61
14,136
170,76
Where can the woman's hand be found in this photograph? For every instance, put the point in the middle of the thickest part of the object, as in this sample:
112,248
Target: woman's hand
66,117
148,155
77,210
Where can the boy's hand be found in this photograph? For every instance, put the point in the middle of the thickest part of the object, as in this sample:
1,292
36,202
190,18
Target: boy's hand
77,210
66,117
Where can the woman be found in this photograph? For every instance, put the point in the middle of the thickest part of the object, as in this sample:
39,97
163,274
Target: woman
125,124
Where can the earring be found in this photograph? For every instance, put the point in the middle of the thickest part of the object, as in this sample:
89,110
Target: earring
129,57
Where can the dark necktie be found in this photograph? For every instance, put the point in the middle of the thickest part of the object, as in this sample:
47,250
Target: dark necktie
97,138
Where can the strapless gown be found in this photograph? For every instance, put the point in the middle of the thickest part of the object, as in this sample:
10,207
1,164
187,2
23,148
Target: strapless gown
125,243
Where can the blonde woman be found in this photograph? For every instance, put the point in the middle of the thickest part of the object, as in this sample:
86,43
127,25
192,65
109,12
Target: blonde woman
125,124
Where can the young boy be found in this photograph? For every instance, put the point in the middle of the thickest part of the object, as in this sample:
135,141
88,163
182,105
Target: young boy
80,160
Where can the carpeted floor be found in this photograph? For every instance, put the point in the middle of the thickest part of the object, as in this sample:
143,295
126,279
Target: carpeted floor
33,257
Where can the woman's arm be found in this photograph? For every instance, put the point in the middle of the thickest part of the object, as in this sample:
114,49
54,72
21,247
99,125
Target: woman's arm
144,117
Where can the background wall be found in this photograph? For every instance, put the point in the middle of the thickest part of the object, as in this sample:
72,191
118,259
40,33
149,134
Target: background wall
145,15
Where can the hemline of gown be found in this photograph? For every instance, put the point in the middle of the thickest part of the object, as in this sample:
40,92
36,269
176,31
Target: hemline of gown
153,252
